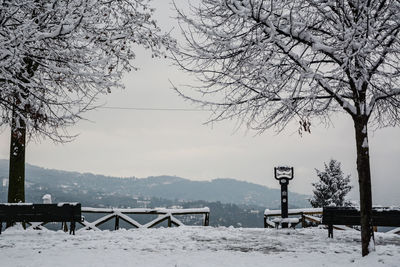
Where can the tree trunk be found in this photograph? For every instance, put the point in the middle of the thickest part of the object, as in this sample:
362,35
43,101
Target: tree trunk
16,185
364,180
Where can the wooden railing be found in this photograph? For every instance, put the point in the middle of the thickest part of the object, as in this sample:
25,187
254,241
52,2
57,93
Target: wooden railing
305,215
168,215
394,231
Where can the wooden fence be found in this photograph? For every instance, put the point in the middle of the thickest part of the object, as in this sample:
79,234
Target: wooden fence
394,231
305,216
168,215
272,219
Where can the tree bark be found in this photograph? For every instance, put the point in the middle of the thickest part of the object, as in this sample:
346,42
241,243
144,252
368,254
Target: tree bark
16,185
364,180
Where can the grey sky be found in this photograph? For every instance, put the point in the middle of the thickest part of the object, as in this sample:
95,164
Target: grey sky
149,143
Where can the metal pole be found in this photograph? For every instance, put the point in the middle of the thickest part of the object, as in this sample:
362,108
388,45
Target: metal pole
284,175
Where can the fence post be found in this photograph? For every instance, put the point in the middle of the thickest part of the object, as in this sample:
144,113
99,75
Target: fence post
169,221
64,226
303,220
206,219
116,222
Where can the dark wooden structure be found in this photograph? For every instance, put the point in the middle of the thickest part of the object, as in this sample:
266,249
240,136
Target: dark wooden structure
351,216
42,213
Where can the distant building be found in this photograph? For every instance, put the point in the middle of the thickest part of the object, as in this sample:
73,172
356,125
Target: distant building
5,182
46,199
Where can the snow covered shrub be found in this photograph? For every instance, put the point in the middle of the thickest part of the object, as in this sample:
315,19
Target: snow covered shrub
332,186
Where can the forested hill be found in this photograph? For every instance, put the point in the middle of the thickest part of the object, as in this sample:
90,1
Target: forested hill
85,185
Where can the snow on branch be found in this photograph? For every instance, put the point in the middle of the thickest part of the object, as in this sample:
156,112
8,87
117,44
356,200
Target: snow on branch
269,62
57,57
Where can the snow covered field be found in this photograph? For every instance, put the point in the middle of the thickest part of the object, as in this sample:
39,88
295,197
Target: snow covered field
194,247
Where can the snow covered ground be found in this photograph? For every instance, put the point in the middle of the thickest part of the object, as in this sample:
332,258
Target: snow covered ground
194,247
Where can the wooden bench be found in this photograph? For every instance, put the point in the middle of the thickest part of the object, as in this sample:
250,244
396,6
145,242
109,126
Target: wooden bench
351,216
43,213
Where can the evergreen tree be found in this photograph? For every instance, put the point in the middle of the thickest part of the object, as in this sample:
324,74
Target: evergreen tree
332,186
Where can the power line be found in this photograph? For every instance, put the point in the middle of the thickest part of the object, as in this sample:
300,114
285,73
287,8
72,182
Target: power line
153,109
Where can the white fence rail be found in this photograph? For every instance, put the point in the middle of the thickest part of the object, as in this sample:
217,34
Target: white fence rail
122,214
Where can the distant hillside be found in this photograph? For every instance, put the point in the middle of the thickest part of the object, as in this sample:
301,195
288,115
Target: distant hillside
85,186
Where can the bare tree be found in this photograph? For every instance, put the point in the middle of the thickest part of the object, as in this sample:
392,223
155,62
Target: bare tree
270,62
57,57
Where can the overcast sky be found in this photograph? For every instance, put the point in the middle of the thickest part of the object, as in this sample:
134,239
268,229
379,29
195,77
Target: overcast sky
145,143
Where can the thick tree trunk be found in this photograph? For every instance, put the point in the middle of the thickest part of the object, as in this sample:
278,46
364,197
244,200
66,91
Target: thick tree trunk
364,180
16,188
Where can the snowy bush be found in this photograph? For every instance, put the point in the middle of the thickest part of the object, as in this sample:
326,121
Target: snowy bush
332,186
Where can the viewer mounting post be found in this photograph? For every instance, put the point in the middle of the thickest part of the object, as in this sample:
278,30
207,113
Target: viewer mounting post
284,174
